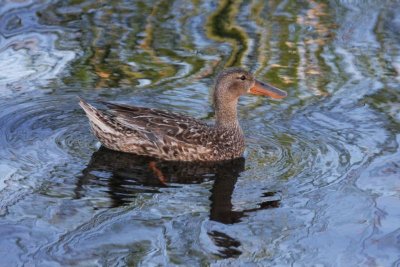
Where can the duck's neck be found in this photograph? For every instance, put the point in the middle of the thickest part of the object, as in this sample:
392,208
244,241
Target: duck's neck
226,115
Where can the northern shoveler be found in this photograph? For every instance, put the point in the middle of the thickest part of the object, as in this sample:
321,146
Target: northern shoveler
176,137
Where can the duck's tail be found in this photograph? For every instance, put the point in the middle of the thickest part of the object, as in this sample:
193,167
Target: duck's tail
98,120
112,134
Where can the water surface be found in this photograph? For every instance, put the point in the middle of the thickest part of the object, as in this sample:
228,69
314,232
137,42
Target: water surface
318,185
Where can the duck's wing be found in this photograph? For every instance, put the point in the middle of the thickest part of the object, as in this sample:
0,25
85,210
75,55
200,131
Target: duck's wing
164,124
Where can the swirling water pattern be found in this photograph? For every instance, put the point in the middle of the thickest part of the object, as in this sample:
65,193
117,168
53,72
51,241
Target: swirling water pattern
320,183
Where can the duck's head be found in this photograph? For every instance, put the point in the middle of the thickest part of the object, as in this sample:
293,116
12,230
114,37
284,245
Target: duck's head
234,82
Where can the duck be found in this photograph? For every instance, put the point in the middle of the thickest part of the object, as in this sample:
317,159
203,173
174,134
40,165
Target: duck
172,136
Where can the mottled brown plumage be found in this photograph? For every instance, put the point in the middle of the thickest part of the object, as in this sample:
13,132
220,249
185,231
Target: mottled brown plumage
176,137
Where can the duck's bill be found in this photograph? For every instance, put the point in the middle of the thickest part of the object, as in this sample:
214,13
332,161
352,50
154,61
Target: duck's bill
264,89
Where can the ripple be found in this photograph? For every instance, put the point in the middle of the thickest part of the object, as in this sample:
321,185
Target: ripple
321,170
30,60
28,54
36,136
288,162
10,5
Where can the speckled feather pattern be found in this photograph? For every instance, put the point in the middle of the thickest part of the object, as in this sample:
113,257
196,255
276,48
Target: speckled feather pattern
176,137
162,134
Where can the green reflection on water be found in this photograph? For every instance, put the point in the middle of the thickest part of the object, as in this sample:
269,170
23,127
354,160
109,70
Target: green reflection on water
221,27
122,44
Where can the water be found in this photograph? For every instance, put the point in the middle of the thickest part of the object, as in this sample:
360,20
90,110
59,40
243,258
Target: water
319,183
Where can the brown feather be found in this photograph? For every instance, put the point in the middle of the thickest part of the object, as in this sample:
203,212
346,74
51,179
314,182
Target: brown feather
173,136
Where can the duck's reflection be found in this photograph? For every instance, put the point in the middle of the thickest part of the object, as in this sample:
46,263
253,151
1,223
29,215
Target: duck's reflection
123,176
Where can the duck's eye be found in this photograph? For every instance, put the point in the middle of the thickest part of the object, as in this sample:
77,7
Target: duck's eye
243,77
